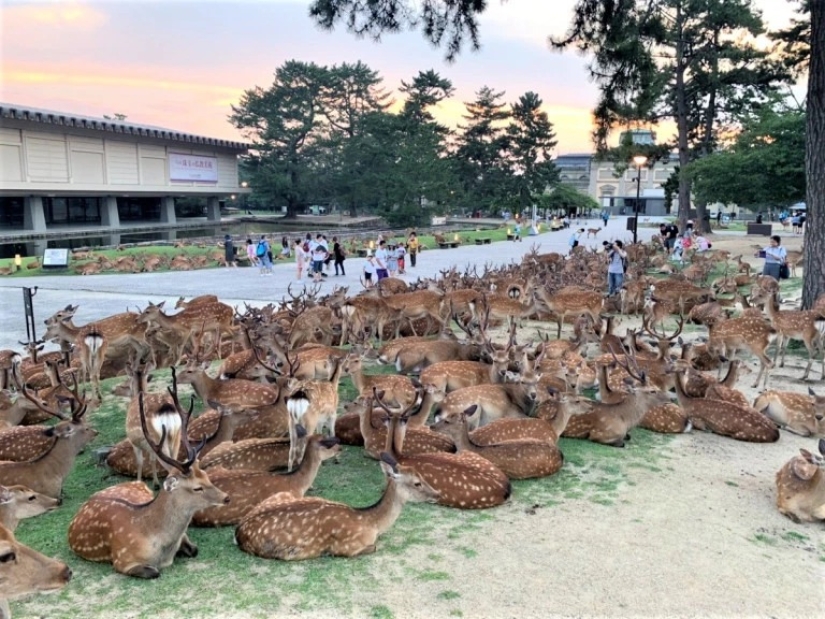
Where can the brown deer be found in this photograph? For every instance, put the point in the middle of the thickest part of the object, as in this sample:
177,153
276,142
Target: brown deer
593,231
247,488
194,321
258,454
794,325
398,390
517,458
416,356
183,304
571,300
725,418
448,376
463,480
800,486
753,333
47,473
138,532
795,412
19,502
24,571
291,529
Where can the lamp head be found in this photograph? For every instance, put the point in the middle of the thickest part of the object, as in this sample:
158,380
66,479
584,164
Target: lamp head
639,160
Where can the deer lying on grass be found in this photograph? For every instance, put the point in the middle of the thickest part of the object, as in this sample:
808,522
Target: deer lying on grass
726,419
248,488
800,486
795,412
463,480
47,473
19,502
138,532
517,458
291,529
448,376
24,571
398,390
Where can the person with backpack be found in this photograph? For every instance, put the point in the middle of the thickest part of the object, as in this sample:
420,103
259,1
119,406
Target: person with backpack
262,252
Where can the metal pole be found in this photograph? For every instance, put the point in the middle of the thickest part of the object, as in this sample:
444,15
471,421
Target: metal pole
636,204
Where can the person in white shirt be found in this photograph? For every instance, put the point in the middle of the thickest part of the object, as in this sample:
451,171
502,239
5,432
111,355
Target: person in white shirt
319,254
381,258
369,271
775,256
574,238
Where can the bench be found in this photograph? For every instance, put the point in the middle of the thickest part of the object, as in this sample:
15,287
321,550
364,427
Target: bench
484,241
760,229
448,244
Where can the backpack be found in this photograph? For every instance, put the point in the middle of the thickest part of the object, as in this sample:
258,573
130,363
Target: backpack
260,251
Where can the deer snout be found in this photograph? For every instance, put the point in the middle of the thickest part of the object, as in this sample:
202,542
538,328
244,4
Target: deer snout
66,574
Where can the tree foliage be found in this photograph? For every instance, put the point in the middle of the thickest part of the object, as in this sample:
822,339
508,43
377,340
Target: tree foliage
530,142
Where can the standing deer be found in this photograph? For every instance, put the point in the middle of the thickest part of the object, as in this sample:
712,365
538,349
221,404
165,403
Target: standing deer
800,486
136,531
291,529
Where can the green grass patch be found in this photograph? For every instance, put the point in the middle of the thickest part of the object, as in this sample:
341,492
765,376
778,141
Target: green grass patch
763,538
793,536
448,595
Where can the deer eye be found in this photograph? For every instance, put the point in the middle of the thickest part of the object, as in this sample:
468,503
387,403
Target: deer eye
8,557
417,484
32,498
198,489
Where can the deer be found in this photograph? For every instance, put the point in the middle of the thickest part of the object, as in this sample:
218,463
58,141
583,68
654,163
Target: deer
291,529
194,321
47,473
593,231
416,356
399,390
571,300
794,325
183,304
800,486
726,336
248,488
794,412
725,418
463,480
136,531
448,376
19,502
23,571
517,458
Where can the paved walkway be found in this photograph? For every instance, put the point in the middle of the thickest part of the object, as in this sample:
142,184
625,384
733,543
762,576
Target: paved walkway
103,295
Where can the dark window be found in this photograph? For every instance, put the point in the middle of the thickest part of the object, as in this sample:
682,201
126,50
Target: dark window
72,210
138,209
11,212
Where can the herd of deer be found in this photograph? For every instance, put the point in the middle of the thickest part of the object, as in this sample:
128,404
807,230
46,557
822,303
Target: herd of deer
460,417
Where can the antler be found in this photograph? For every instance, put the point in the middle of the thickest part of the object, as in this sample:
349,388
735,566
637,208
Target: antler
638,375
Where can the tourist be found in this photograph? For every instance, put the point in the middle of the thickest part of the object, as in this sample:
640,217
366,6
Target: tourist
400,254
672,231
517,231
369,270
574,238
795,223
381,257
702,243
338,255
285,253
775,257
412,247
616,261
263,252
229,252
719,218
319,255
250,253
300,258
605,217
392,261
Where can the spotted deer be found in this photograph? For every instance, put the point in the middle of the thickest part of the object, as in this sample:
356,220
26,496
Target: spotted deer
136,531
23,571
291,529
463,480
193,321
448,376
800,486
48,471
248,488
19,502
751,332
398,390
724,418
517,458
795,412
571,300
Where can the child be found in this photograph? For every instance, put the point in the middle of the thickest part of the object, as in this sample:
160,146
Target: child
300,258
400,253
319,254
369,270
250,253
517,230
392,261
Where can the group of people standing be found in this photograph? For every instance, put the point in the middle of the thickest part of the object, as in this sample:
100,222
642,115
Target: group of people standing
390,259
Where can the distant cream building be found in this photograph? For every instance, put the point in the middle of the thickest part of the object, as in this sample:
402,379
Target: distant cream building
60,171
618,193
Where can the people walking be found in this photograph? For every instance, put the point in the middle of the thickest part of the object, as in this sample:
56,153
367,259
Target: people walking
262,251
250,253
400,254
605,217
616,257
369,271
381,257
229,252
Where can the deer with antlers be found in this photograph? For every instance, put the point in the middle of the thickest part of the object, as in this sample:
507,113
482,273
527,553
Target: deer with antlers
399,390
24,571
67,438
19,502
571,300
194,321
136,531
795,412
247,488
800,486
291,529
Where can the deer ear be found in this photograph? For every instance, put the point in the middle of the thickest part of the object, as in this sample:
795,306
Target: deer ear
170,483
214,404
471,410
822,446
803,469
811,393
5,495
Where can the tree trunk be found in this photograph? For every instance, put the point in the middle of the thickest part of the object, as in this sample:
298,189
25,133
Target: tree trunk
682,123
814,280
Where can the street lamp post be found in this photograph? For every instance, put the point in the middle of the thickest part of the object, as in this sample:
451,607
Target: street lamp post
244,184
639,160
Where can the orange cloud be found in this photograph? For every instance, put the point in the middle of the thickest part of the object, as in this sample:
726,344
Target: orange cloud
79,16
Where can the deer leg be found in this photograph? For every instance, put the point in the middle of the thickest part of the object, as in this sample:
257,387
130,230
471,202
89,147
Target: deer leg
812,350
138,461
780,346
187,548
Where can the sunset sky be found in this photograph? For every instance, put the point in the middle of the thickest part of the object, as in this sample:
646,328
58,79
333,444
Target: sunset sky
181,64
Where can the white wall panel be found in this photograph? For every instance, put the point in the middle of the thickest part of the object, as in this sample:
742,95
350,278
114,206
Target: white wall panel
46,159
121,163
87,168
10,167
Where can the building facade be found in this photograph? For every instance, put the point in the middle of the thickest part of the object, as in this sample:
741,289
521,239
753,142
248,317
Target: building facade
574,170
60,170
617,192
